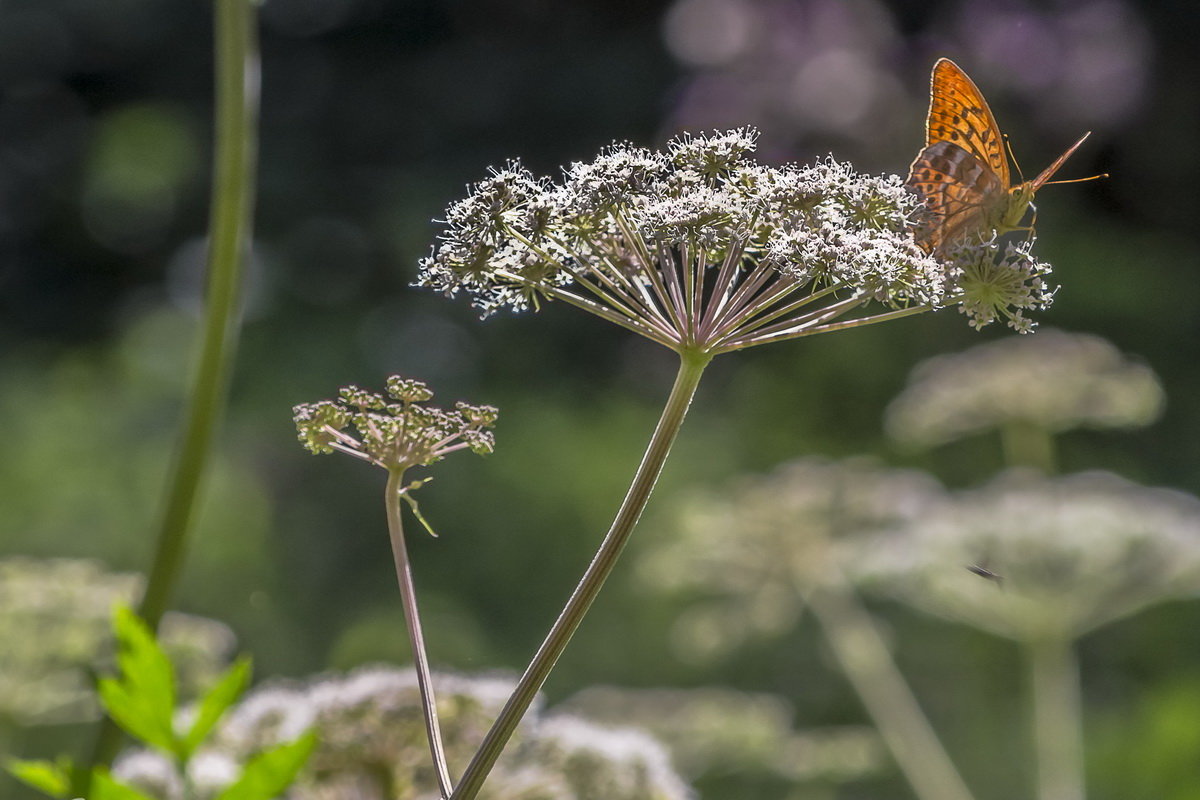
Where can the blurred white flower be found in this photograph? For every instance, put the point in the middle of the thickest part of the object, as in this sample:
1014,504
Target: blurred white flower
151,773
55,620
372,743
1053,380
1069,554
748,555
716,730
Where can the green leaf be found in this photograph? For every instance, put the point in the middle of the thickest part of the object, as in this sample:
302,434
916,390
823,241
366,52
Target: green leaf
47,777
271,771
105,787
141,699
216,702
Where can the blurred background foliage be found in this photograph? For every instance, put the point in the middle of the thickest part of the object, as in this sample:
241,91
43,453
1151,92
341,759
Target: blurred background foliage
376,113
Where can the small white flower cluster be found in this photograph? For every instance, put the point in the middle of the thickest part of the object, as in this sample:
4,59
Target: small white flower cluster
700,246
397,430
372,744
1070,554
1055,380
997,281
55,630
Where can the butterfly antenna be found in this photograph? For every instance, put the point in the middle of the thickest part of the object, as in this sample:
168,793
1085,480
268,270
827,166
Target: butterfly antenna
1013,157
1079,180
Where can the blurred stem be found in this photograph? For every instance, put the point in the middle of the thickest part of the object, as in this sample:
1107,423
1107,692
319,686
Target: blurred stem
864,657
1028,445
691,368
1057,718
189,786
408,598
231,210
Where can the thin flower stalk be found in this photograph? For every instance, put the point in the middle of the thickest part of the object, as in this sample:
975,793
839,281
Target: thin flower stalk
691,368
412,622
397,432
846,324
863,655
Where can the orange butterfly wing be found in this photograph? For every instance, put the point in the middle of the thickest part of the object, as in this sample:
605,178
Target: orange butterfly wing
959,114
962,173
956,187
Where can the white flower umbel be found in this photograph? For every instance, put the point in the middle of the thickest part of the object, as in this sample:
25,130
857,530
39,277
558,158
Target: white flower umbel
1055,381
717,730
1064,556
1001,280
371,744
55,630
751,554
1072,554
700,248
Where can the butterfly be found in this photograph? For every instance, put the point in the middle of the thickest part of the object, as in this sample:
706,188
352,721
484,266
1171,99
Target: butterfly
962,173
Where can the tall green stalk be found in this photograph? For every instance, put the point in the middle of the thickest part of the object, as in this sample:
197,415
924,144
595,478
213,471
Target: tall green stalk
860,649
1057,717
1028,444
229,235
691,368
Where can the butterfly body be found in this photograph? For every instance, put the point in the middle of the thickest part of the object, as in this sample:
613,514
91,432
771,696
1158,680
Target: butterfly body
962,174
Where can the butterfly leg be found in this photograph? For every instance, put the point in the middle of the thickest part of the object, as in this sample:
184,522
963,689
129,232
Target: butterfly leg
1028,229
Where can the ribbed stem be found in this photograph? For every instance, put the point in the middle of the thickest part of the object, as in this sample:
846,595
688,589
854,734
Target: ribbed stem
691,368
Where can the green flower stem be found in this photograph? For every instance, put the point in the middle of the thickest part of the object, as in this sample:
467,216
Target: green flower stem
1057,718
231,218
1028,444
232,203
864,657
691,368
408,598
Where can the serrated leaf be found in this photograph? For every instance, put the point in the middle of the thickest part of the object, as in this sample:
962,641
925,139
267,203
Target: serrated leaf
47,777
216,702
106,787
271,771
141,699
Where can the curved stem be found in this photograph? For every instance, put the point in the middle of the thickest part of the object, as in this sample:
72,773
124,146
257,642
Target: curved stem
691,368
230,224
864,658
1057,718
230,221
408,598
